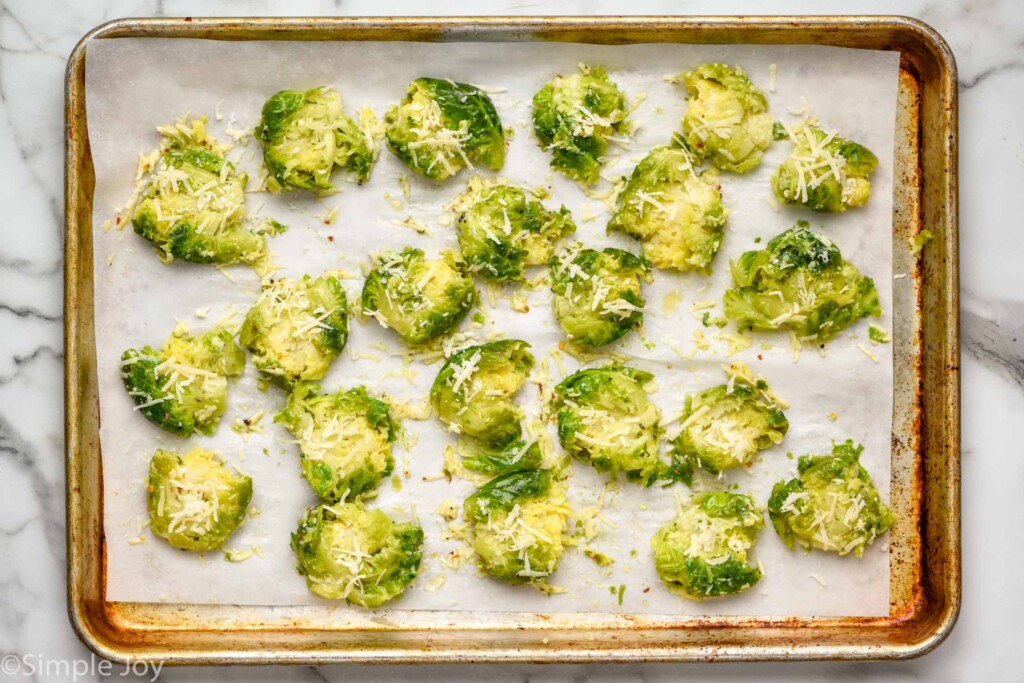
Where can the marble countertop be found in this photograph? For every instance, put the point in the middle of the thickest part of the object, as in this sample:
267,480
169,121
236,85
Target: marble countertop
987,37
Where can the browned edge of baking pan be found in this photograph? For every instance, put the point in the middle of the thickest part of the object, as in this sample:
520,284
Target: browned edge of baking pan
925,489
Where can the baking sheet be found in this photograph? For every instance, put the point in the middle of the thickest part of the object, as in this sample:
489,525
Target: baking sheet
132,85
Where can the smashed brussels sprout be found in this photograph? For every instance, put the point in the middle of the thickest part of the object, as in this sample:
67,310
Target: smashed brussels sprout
674,211
799,282
502,229
518,523
344,439
420,299
192,207
824,172
597,297
727,118
726,426
183,388
575,117
831,504
441,126
702,553
194,500
473,391
296,328
306,135
347,552
605,418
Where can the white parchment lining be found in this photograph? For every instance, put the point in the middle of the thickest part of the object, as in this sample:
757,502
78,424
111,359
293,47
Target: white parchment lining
133,85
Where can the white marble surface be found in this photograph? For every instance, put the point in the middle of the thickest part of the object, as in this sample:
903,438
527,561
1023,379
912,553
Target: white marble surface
987,37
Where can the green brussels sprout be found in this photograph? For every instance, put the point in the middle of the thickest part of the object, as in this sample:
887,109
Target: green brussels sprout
605,418
702,552
799,282
515,456
364,557
194,500
674,211
502,229
344,439
831,504
518,522
597,297
726,426
183,388
825,172
419,299
305,135
575,117
296,328
441,126
193,205
727,118
473,391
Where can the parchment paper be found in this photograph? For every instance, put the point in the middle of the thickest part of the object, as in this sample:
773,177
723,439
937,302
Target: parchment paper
135,84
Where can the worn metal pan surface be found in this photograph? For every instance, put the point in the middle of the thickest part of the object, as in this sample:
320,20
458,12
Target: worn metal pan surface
925,487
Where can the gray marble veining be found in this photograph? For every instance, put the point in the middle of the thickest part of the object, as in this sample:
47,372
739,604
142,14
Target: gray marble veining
988,39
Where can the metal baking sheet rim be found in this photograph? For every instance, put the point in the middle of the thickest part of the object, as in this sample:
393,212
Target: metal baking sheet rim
925,569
